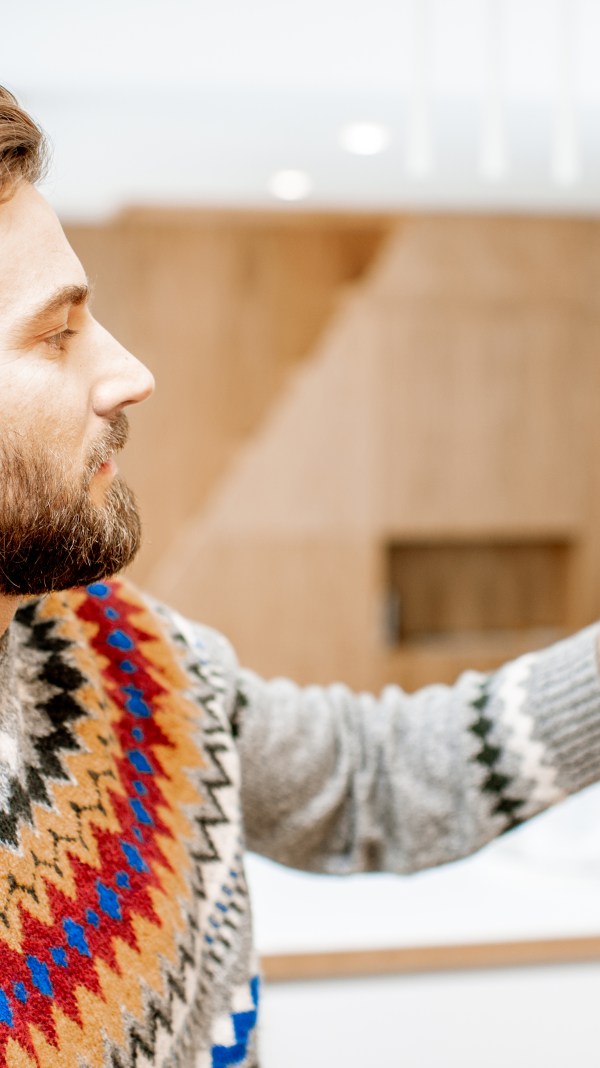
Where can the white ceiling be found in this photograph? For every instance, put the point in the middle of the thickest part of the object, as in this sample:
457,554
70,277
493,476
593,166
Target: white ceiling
189,101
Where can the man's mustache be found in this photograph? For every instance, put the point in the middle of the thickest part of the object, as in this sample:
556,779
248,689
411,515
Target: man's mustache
113,441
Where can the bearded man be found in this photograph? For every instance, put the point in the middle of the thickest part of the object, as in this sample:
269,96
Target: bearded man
137,759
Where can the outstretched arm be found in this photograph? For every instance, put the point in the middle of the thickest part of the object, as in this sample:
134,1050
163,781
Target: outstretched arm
338,782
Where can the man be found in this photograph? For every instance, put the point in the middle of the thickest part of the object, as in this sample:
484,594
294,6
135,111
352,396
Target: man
137,760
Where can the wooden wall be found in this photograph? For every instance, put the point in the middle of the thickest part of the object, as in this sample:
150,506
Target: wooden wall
334,388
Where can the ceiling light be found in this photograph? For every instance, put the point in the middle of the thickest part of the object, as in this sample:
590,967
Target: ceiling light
290,185
364,138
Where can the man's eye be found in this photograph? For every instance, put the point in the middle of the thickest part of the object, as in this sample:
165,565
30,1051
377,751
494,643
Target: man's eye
57,341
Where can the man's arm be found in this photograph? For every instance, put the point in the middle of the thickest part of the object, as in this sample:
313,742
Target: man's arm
338,782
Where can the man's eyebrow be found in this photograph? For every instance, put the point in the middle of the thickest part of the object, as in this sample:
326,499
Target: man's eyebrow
66,296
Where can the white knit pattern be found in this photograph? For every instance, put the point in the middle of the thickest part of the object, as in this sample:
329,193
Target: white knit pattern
512,693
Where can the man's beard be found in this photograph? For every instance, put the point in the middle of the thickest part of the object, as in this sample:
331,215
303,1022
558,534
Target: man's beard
52,534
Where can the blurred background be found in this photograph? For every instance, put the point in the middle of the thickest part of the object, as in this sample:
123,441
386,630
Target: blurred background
359,246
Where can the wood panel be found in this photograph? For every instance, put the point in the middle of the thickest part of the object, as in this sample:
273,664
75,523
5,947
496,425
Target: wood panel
300,967
481,410
497,260
298,603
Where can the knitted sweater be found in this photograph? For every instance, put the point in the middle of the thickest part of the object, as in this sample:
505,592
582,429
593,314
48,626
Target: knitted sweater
135,757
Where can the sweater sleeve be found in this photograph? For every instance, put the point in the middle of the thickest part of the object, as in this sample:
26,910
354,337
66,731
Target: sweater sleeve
339,782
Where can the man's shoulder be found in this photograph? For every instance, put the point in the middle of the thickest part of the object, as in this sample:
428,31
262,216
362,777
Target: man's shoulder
116,619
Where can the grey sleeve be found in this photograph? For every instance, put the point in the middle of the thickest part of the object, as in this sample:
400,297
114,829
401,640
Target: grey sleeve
339,782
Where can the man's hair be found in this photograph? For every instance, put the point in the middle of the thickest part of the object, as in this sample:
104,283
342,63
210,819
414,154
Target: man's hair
23,146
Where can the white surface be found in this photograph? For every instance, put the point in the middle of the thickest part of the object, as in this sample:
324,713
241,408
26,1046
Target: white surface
200,102
525,1018
541,881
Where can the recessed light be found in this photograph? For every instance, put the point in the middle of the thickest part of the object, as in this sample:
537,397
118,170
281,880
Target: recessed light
290,185
365,138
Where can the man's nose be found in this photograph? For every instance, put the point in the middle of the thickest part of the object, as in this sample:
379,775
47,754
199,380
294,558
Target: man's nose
123,379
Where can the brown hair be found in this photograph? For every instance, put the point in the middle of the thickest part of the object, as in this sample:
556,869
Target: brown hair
23,146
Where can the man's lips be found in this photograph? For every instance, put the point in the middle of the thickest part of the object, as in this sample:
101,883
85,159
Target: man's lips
109,467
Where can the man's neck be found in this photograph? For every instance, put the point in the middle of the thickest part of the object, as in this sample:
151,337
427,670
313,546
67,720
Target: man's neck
8,607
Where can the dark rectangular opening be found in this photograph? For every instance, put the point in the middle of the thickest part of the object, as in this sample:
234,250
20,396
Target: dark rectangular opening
450,587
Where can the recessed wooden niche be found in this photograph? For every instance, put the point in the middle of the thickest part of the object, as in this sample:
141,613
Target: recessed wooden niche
455,587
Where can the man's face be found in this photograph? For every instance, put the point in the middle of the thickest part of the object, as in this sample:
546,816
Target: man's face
66,518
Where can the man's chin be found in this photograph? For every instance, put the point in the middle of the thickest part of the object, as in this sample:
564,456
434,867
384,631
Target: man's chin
97,543
53,537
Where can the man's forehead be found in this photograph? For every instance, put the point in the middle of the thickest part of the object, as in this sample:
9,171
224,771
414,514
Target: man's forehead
36,260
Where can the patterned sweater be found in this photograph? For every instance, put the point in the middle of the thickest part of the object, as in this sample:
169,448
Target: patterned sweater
135,757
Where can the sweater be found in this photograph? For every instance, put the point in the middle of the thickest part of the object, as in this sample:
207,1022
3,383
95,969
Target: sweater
138,761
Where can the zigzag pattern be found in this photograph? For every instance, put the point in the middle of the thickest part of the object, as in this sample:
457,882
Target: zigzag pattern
57,713
489,756
212,816
106,842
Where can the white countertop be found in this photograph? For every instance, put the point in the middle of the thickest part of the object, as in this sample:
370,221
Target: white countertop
541,881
